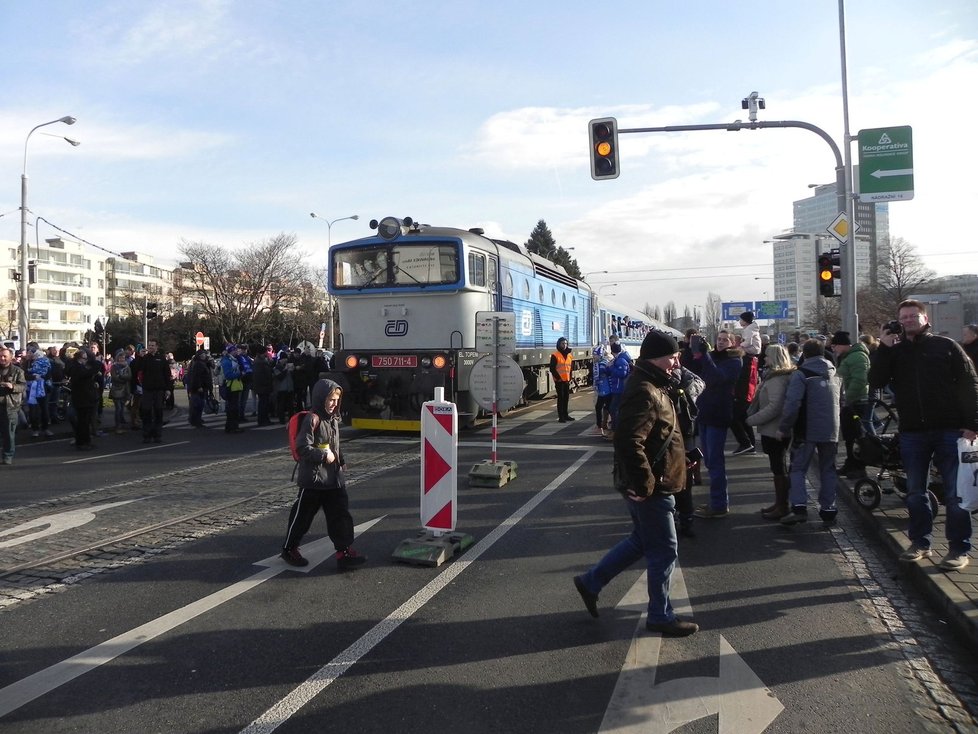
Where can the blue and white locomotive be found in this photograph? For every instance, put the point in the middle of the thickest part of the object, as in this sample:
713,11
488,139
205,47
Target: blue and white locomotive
408,298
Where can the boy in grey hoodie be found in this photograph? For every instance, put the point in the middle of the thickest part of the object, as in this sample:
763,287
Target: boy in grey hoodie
321,481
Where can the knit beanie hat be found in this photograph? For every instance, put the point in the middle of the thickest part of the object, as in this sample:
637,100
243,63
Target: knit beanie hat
842,338
747,317
658,344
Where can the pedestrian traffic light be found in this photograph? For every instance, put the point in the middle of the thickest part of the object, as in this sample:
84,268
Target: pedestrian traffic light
603,135
151,310
826,275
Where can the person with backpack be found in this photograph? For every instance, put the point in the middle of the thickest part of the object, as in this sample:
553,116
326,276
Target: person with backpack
811,417
314,437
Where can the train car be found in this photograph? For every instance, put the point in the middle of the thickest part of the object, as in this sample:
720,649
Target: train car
629,325
407,300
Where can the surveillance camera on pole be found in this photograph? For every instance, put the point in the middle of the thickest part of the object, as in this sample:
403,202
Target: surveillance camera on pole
752,103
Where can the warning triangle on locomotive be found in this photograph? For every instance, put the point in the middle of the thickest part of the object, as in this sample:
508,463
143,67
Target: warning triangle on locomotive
407,299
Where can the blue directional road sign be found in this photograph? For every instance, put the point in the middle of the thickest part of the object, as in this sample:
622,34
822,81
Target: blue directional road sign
733,309
770,309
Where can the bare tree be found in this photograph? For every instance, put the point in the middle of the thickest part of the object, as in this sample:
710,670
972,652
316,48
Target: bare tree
239,291
712,315
901,272
669,313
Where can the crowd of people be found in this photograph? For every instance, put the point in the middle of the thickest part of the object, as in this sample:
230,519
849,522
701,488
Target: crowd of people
802,399
74,384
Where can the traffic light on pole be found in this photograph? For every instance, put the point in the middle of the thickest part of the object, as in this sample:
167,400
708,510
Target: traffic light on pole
825,270
151,310
603,135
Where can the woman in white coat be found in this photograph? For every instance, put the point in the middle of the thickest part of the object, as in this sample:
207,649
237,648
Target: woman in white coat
765,415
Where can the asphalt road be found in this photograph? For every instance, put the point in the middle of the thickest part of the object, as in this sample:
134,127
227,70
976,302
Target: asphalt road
211,633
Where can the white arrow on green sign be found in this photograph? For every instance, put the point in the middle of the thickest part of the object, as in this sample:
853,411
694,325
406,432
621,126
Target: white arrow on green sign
886,164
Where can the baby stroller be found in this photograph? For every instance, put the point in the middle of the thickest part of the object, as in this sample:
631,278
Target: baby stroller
882,450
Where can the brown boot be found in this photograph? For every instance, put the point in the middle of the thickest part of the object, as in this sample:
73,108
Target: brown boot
780,507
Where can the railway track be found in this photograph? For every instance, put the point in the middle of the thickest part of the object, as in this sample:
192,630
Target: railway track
151,515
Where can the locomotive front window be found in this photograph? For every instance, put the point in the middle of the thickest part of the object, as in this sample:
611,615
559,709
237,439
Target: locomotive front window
386,266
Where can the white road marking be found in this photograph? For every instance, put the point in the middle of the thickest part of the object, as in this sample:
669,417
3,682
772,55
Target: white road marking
639,706
53,524
44,681
279,713
96,457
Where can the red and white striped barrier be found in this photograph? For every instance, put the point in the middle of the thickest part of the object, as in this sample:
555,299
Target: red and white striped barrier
439,464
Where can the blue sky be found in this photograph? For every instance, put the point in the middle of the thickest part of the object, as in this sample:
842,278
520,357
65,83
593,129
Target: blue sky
228,122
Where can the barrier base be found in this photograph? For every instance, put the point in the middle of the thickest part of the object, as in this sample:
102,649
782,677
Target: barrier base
427,549
488,474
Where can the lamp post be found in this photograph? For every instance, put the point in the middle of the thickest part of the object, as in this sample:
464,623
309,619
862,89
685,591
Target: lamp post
605,285
329,225
23,321
329,243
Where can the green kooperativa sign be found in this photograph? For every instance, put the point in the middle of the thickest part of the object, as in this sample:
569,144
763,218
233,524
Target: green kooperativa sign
886,164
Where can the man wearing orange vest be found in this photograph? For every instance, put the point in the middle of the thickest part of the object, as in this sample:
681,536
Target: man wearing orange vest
560,368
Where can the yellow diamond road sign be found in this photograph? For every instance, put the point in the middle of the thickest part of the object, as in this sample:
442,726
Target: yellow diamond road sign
840,228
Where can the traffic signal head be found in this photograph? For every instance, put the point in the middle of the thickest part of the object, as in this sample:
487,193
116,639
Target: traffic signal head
151,310
826,275
603,136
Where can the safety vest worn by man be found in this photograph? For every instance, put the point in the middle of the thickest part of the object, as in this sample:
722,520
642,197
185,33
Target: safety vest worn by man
563,368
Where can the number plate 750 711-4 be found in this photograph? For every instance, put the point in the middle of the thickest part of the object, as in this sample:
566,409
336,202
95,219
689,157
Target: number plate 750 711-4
393,360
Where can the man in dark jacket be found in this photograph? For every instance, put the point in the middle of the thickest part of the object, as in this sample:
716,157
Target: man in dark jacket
152,372
720,370
200,385
83,375
321,482
936,390
650,468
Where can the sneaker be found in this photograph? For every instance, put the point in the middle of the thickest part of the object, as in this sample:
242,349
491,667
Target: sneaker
954,561
915,553
744,450
293,557
349,558
35,434
707,511
590,600
796,516
49,433
675,628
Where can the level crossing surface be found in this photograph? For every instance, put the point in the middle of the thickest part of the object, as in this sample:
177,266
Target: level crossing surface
204,629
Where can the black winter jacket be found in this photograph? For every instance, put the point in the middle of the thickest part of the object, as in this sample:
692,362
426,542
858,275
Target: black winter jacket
935,383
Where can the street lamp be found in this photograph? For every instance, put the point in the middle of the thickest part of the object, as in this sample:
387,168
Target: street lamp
329,225
605,285
23,320
329,243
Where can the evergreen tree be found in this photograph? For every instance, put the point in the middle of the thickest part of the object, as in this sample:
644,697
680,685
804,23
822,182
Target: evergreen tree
541,240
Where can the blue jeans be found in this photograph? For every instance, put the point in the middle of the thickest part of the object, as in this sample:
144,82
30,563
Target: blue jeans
917,449
801,457
653,537
712,440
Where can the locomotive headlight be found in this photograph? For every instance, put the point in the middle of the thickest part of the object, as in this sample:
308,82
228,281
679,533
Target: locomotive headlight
439,361
426,361
351,361
363,362
390,228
